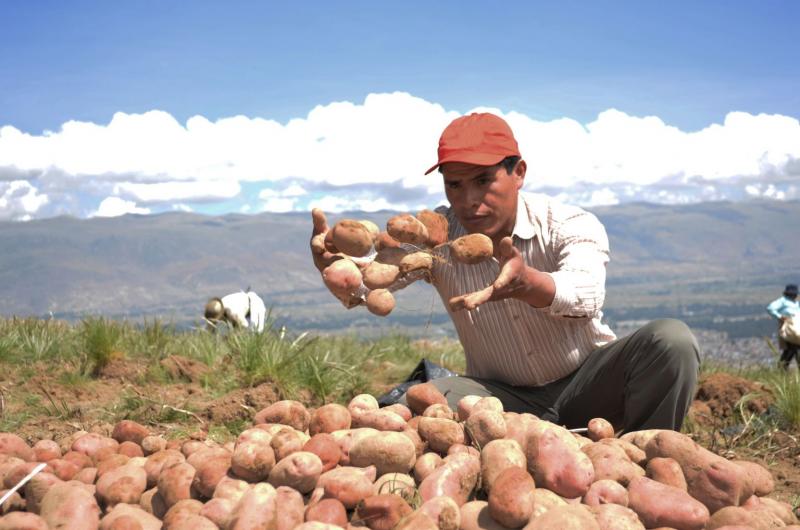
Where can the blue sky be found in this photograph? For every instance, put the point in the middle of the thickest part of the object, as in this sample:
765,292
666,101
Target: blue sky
687,64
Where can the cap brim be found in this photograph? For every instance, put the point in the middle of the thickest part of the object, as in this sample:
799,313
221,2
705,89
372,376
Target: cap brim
478,159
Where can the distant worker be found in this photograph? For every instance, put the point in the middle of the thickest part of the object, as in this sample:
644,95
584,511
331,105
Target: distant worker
236,309
784,309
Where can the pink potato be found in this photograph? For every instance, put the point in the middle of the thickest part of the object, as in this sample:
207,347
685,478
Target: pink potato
130,449
329,511
416,439
175,484
382,420
616,517
382,512
22,521
657,504
87,475
440,433
666,471
36,488
511,499
124,484
325,447
252,460
496,457
255,510
13,476
444,512
517,428
380,302
465,406
300,470
456,478
347,437
400,409
543,500
635,455
555,461
362,403
439,410
130,431
180,511
286,442
91,444
218,511
425,465
231,489
286,412
63,469
406,228
70,506
159,461
45,450
606,491
599,429
329,418
111,462
289,508
352,238
711,479
209,473
13,445
349,485
760,478
342,277
567,517
474,515
389,452
611,462
146,521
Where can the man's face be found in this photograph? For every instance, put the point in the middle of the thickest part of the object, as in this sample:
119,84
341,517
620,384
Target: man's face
484,198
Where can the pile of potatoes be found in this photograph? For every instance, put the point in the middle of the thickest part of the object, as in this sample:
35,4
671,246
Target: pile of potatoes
377,260
421,466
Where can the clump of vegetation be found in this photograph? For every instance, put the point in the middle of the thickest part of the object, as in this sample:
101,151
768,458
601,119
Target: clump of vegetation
100,338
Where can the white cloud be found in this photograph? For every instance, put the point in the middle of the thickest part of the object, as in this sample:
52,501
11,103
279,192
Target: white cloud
388,139
279,205
19,200
335,204
114,207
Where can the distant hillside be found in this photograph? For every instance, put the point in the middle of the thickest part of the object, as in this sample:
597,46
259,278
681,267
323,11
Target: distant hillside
711,263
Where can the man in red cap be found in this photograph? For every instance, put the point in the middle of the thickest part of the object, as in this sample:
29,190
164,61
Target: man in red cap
530,320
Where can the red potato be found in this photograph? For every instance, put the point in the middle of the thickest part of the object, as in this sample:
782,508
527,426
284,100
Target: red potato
399,409
210,473
130,431
124,484
256,509
144,520
342,277
380,302
287,412
556,462
511,498
416,520
289,508
63,469
349,485
70,506
352,238
436,225
362,403
472,248
657,504
346,438
218,510
456,478
382,512
606,492
46,450
416,261
382,420
640,439
772,509
666,471
517,428
329,511
159,461
153,444
92,444
760,478
153,503
616,517
462,448
444,512
329,418
79,459
734,516
569,517
439,410
175,484
379,275
440,433
253,460
36,488
635,455
7,465
286,442
389,452
711,479
255,434
231,489
416,439
13,445
483,426
599,429
396,483
406,228
193,521
496,457
610,462
65,443
465,406
22,521
474,515
87,475
425,465
317,525
180,512
111,462
300,470
20,471
130,449
544,500
325,447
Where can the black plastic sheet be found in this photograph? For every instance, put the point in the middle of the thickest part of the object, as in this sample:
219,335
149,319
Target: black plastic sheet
425,371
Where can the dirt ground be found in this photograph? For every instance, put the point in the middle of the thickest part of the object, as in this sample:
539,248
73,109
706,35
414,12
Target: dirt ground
183,408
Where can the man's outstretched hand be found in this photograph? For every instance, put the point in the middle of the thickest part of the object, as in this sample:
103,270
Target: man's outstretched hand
515,280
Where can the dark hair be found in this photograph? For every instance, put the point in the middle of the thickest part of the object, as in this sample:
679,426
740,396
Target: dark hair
508,163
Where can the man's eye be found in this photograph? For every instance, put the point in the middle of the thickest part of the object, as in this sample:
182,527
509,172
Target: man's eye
483,181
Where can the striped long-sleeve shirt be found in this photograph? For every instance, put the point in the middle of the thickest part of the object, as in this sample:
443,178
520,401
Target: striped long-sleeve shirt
511,341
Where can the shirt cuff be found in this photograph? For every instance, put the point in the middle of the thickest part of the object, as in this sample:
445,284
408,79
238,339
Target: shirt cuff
565,298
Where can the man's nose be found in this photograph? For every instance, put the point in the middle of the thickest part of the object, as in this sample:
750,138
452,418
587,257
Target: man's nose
474,197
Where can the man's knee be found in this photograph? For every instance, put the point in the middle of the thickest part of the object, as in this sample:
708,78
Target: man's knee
674,338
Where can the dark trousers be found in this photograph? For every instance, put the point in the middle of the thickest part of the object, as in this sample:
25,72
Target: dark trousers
789,352
646,380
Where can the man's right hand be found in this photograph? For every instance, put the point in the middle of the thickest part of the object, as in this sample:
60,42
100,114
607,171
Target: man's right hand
323,258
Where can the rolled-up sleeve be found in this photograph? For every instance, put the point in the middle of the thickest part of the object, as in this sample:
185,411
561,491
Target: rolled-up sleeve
581,247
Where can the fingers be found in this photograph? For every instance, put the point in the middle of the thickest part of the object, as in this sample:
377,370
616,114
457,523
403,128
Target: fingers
472,300
320,222
507,247
510,264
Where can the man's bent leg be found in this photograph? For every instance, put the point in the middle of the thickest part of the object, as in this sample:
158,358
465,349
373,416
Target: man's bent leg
643,381
537,401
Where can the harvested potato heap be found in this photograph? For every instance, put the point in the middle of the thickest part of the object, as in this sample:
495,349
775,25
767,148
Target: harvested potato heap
404,252
421,466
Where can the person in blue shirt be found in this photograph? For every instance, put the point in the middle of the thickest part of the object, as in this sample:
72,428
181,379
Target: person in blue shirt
783,309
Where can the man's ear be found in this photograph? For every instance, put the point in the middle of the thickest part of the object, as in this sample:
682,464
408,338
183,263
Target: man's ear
519,173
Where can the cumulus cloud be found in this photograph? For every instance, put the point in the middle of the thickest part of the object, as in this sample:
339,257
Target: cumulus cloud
19,200
379,149
114,207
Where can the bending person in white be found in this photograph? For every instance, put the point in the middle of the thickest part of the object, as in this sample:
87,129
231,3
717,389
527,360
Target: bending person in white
236,309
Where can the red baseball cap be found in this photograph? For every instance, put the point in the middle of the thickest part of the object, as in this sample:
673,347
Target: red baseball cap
481,138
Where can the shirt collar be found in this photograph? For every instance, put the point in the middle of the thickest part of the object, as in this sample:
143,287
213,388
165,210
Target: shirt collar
523,227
